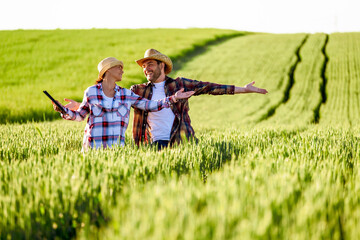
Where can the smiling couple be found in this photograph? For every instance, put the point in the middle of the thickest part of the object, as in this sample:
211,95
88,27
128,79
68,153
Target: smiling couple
160,106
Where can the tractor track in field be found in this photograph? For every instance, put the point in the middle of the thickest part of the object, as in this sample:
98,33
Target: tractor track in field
316,118
188,54
290,83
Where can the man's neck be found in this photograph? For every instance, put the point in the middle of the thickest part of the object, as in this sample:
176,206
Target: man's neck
160,79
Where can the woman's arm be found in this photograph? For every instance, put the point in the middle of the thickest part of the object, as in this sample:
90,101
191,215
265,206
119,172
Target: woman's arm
76,111
152,106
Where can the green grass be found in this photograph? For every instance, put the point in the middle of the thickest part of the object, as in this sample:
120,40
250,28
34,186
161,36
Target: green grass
262,169
265,192
64,62
256,183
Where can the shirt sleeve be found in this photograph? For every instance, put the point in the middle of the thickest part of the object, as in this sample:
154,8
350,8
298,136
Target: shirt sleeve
207,87
149,105
81,113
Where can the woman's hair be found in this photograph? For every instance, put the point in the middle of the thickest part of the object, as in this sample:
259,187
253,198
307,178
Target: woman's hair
100,79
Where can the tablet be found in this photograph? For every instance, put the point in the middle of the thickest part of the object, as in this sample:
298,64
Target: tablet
56,103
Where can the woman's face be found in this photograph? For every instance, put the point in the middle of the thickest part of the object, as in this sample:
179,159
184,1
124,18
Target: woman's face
116,73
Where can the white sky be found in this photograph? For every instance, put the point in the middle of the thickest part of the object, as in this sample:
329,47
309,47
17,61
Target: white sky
276,16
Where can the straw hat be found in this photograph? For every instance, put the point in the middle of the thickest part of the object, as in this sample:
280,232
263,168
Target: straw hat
108,63
156,55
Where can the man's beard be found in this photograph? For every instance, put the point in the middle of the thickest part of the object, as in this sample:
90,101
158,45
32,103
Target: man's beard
155,74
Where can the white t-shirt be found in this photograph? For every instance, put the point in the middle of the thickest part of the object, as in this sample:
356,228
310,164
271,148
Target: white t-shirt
162,121
107,101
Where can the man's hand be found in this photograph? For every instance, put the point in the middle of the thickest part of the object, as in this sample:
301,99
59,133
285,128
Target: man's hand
72,105
251,89
182,95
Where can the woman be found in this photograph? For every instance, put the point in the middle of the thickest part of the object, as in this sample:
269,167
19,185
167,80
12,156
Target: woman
108,106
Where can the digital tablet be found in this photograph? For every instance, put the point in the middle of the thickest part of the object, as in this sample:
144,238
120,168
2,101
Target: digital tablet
54,101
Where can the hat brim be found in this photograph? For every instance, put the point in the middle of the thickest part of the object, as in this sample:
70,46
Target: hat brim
110,65
159,57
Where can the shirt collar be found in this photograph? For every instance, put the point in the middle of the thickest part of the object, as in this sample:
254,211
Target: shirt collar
149,84
167,80
117,87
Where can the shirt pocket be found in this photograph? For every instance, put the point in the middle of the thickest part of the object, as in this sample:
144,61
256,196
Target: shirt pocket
97,110
123,110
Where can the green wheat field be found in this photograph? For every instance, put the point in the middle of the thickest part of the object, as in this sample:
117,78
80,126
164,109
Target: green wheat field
279,166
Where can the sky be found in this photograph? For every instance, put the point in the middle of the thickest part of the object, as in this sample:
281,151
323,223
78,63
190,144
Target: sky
273,16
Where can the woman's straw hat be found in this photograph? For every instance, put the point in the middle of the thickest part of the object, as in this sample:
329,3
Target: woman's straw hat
108,63
156,55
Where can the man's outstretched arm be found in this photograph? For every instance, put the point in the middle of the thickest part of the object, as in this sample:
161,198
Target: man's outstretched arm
219,89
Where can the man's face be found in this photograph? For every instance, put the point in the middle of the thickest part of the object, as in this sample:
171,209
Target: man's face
152,70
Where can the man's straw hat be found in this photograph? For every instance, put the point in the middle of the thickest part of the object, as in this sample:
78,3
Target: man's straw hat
108,63
156,55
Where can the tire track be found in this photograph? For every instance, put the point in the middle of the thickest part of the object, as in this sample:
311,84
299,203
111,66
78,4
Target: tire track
198,49
289,86
316,118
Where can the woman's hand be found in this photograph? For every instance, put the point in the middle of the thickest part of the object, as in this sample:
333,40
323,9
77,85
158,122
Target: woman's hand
56,108
72,105
182,95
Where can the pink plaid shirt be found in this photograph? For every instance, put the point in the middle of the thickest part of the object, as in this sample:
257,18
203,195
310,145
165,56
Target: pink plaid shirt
106,126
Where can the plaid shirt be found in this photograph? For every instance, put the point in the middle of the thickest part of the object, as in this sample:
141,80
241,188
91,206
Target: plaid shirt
182,124
106,125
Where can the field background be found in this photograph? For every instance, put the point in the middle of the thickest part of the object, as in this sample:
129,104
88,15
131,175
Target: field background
283,165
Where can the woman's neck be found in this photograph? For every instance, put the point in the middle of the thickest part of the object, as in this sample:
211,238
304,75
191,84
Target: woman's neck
108,87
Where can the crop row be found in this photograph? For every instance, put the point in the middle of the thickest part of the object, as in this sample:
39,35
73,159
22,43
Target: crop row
265,59
310,79
304,95
343,80
326,83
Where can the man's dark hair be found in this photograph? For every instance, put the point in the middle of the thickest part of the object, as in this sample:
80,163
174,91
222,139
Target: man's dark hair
158,62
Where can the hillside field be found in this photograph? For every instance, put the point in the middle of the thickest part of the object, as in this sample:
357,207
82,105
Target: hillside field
279,166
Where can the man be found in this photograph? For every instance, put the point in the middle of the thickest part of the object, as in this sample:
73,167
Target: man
171,125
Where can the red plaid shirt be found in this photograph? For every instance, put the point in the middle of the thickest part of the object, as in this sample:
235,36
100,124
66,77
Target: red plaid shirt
182,124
